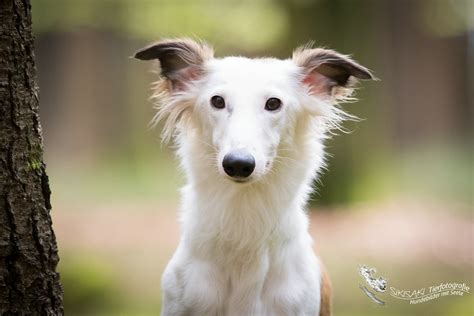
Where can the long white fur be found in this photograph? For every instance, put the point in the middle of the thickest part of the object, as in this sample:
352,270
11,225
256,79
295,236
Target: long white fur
245,247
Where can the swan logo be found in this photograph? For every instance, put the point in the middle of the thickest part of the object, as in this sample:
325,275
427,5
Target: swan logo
378,285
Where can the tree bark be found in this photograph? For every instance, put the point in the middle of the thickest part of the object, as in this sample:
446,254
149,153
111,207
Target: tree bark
29,284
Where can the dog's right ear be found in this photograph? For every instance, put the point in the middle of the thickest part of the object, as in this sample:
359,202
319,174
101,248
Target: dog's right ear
180,59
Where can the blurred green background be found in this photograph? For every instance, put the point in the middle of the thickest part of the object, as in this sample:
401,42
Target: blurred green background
398,194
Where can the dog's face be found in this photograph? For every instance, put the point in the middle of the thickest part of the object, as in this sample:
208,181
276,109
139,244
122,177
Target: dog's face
247,110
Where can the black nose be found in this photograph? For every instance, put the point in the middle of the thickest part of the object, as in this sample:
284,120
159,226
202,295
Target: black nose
238,164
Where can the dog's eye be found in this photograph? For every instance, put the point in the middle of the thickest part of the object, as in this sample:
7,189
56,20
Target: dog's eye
273,104
218,102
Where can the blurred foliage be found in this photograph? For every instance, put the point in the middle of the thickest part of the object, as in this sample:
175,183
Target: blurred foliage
94,285
248,24
437,171
90,286
377,160
119,179
448,17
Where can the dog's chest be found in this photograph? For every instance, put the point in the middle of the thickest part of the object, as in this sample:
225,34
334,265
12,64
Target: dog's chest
262,279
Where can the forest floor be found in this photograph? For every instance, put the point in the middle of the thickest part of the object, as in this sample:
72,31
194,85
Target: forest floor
413,244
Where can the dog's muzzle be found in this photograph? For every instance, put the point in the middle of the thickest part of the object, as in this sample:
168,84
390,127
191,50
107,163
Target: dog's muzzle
238,164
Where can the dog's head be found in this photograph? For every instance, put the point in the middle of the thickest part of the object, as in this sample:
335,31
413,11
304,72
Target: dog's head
247,111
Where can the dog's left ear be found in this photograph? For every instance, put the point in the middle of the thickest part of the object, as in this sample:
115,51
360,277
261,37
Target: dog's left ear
181,60
328,73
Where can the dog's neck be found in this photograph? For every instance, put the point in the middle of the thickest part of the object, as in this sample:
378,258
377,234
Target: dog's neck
219,214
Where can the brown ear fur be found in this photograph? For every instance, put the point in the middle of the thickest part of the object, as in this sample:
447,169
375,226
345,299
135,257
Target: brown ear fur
180,59
329,73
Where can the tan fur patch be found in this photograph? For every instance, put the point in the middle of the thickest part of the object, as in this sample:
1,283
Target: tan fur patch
326,293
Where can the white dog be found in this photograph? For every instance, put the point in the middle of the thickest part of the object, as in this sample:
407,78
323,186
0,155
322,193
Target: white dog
250,136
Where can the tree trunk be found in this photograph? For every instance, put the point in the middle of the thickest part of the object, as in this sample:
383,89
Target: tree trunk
29,284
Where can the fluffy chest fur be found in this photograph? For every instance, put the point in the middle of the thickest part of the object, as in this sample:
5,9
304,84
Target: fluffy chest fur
252,241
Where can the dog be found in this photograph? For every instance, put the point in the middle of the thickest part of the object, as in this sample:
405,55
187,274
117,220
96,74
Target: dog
250,138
